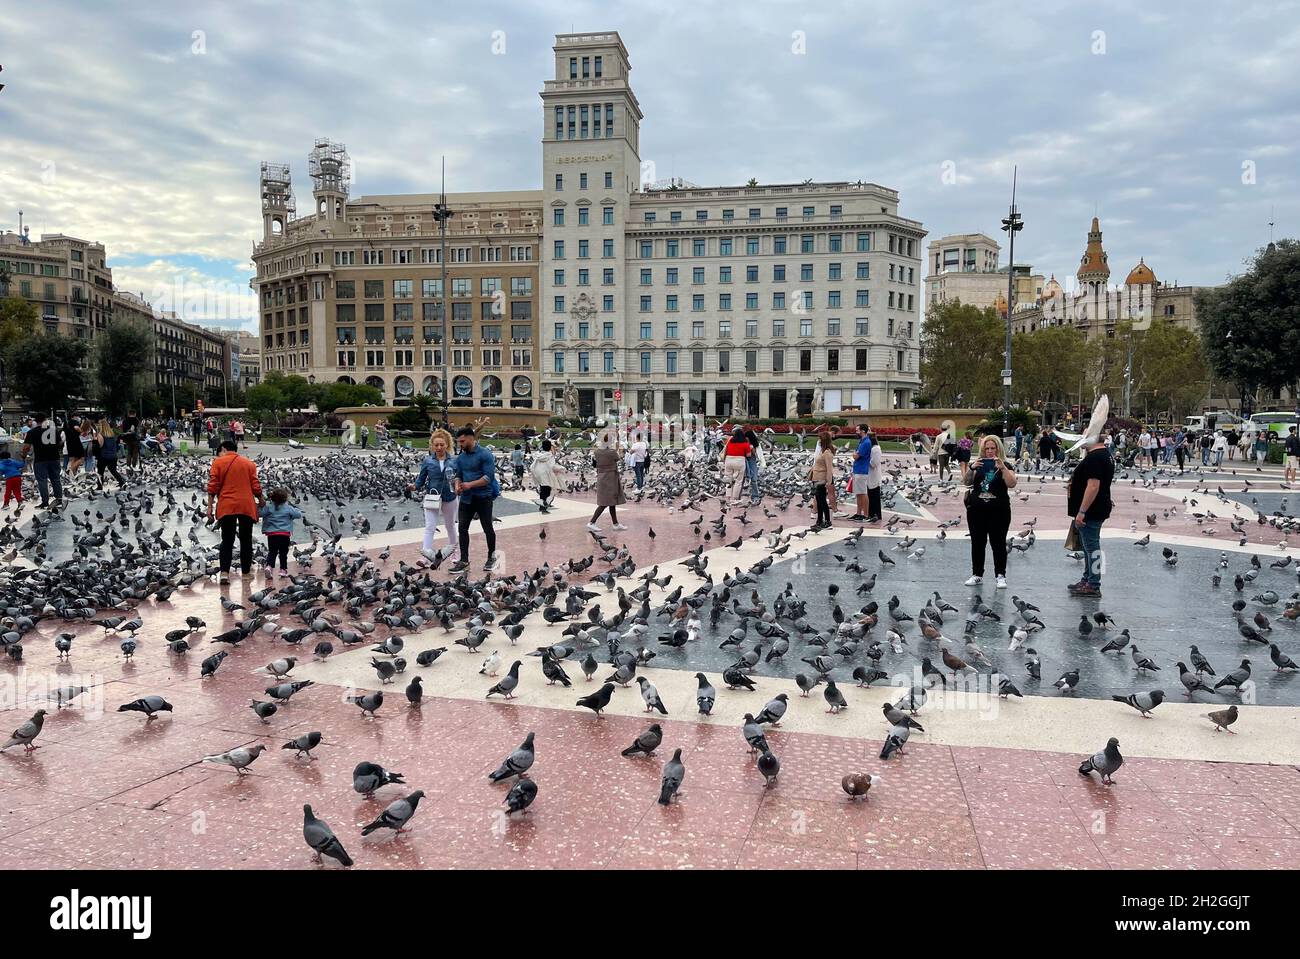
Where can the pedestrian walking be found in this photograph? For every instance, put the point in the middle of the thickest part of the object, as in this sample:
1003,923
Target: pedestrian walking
476,484
107,448
277,526
609,491
543,471
822,477
437,480
43,442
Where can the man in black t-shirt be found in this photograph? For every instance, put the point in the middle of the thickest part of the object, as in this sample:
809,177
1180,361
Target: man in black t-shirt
1088,504
44,443
1292,454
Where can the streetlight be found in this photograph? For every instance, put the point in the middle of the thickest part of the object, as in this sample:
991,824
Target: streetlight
1011,225
442,214
171,374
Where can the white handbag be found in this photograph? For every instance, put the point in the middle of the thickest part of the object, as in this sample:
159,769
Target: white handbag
432,501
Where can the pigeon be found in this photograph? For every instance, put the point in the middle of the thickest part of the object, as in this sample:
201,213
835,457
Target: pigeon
1223,718
1144,703
520,796
769,766
367,703
517,763
857,785
753,734
26,734
834,698
705,695
894,741
506,686
149,705
1281,661
304,744
397,815
646,743
598,700
650,696
671,783
771,713
321,838
1191,681
238,759
1106,762
367,777
1236,677
263,710
1007,688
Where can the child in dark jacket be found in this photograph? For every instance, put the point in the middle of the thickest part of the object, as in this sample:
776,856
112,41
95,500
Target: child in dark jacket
277,525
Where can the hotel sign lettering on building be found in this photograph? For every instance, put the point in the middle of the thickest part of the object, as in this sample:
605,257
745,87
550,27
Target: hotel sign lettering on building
589,158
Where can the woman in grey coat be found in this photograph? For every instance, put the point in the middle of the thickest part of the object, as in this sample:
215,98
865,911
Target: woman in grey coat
609,488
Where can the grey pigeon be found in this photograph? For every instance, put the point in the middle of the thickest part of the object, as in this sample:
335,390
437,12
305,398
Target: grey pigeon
26,733
321,838
646,743
705,695
238,759
521,796
368,702
397,815
771,713
149,705
517,763
304,744
834,698
1106,762
1143,702
674,773
769,766
367,777
506,687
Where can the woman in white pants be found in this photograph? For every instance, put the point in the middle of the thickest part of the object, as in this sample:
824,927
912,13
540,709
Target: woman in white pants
733,462
438,483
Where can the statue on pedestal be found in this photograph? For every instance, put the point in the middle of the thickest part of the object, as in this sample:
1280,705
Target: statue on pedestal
742,401
792,402
570,399
819,399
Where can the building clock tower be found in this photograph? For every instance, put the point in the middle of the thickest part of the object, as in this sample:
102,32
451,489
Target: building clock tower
591,165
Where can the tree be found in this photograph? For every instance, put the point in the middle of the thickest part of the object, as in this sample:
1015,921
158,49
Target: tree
266,401
1250,327
962,351
18,320
47,369
330,396
123,357
1169,369
1048,366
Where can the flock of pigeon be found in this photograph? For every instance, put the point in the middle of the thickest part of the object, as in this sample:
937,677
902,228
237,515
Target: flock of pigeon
122,558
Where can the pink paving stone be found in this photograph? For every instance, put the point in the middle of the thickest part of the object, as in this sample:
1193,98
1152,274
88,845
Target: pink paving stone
1225,815
1016,765
761,854
1123,849
1039,802
1250,852
1024,844
653,848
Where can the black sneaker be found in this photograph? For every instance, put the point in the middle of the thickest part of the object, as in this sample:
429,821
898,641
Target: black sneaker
459,566
858,518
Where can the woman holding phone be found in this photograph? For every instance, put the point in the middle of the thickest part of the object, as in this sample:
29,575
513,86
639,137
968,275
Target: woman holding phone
988,508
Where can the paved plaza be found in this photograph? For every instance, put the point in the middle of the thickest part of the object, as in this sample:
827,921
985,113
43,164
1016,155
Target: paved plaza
988,783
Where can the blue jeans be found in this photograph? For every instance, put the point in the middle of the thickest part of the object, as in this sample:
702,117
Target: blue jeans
639,470
751,476
47,475
1090,541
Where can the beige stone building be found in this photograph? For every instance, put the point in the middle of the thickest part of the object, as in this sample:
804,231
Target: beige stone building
353,291
964,268
67,279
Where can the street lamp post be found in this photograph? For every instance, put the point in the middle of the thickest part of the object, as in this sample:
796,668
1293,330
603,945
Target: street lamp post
171,375
442,215
1011,225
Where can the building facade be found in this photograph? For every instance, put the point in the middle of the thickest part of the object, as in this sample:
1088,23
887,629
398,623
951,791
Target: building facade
354,291
964,268
669,298
718,300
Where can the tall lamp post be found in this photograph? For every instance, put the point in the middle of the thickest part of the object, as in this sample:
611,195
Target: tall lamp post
1011,225
171,375
442,215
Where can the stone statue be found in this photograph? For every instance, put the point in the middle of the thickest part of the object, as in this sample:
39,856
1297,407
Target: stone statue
570,399
742,401
792,402
819,398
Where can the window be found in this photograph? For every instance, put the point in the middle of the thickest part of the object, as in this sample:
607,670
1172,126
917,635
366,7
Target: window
675,216
833,299
670,276
607,362
805,361
584,278
778,361
607,216
778,301
864,271
559,249
670,362
582,181
832,327
806,243
460,287
862,298
697,361
557,217
670,330
647,331
697,302
782,213
609,177
755,213
670,303
559,182
860,327
374,289
584,214
559,331
607,277
901,360
345,290
697,275
724,329
751,301
860,360
724,274
431,289
778,328
670,248
833,271
697,329
751,361
558,361
751,245
751,328
832,361
724,301
607,304
751,274
697,247
521,286
778,273
728,214
724,246
584,362
646,278
701,215
835,242
649,216
778,244
805,327
645,362
607,249
864,242
607,330
584,248
805,272
647,249
646,304
558,306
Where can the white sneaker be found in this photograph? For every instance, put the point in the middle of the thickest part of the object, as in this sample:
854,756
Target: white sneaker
593,527
619,526
1002,582
974,581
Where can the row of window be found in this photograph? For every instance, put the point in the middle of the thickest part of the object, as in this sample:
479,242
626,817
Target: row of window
488,310
833,327
432,334
802,360
799,301
584,215
431,255
582,181
431,288
460,358
780,273
584,121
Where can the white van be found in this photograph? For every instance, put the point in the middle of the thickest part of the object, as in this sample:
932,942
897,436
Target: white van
1215,420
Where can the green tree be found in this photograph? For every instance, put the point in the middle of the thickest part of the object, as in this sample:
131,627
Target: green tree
330,396
47,369
1046,366
1170,372
18,321
962,349
122,358
1250,327
266,401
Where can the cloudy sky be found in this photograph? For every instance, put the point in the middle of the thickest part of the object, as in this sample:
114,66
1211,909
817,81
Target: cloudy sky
142,124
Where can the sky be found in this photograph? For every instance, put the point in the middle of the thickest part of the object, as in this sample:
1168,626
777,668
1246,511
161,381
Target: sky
142,124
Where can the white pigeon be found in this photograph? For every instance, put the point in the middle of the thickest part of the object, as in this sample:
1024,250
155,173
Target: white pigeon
492,664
